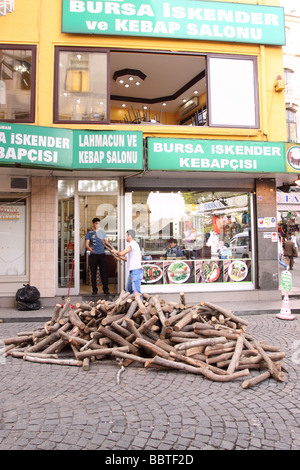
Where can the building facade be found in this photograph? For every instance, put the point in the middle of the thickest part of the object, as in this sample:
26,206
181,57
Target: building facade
164,117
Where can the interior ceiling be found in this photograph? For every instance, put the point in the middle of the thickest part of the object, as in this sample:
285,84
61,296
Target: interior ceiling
167,75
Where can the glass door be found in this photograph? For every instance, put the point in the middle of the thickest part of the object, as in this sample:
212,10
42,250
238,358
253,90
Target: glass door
98,198
66,266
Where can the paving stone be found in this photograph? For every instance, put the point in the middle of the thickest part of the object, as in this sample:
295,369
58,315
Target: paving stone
53,407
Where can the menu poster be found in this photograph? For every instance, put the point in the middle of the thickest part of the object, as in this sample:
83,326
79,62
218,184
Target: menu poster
153,273
179,272
209,271
238,270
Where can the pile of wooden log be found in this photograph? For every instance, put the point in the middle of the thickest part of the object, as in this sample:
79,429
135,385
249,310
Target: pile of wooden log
200,339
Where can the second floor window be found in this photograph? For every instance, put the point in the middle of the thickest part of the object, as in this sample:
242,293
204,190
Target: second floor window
17,83
81,93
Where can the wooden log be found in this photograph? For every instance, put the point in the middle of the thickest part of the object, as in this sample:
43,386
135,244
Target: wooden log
182,298
55,314
75,320
111,318
202,326
150,347
236,355
196,370
48,339
256,380
86,363
200,342
274,371
189,317
171,320
132,309
226,313
197,363
220,348
61,362
132,357
17,340
100,352
132,328
195,350
223,333
118,339
137,298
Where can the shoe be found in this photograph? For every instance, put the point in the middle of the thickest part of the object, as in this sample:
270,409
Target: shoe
95,292
106,292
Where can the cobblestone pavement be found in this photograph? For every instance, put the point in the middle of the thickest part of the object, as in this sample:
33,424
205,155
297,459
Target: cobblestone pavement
54,407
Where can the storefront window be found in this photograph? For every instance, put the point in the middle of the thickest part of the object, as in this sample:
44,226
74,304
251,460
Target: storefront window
80,86
13,237
17,83
194,237
184,89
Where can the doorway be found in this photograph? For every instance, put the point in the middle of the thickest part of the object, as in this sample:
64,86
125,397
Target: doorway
105,207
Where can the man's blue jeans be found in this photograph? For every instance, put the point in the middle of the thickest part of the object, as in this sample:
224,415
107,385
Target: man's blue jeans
134,281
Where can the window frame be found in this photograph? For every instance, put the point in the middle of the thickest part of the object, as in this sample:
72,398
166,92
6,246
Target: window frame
32,111
57,51
255,90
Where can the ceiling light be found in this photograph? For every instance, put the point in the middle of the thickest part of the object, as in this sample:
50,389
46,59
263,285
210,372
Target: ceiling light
196,92
125,76
164,104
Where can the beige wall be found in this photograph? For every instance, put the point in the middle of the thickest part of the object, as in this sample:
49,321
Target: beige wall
42,235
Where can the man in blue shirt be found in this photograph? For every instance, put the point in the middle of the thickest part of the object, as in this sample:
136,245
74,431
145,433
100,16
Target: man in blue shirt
93,243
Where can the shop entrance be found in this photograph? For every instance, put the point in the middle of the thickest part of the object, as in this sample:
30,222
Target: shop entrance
79,201
105,207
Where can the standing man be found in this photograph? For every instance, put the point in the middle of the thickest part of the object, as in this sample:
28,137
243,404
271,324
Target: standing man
93,243
134,260
289,250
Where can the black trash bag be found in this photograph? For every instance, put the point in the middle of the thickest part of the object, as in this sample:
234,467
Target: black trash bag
27,293
23,306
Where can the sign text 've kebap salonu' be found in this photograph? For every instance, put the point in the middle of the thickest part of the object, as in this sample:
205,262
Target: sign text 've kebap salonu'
185,19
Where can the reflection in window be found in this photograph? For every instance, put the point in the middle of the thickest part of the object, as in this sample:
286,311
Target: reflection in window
66,191
205,225
81,90
17,73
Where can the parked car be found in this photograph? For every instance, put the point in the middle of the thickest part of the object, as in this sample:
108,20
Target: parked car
239,245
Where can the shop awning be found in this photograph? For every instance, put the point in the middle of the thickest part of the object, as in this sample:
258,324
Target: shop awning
288,207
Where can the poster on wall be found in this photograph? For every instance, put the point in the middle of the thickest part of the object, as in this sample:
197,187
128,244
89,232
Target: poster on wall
12,240
208,271
238,270
179,272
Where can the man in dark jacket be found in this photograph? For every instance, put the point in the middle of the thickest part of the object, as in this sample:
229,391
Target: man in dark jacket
289,250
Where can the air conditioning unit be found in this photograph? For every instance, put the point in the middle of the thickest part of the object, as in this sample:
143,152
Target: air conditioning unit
19,183
189,106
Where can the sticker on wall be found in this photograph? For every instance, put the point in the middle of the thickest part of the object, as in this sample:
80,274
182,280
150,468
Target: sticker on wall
266,222
293,158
